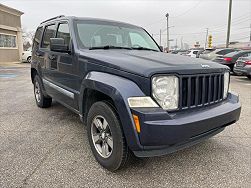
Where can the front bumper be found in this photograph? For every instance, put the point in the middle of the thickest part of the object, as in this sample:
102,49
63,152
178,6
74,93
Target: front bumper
163,133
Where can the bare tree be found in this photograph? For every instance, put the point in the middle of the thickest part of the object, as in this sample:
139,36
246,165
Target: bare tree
27,38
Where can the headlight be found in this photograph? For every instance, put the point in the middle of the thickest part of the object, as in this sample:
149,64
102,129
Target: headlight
165,90
226,84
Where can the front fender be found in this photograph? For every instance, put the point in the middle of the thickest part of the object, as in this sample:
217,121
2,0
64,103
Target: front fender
119,89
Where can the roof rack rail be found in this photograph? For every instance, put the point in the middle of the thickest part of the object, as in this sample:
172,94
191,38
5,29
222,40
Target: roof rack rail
60,16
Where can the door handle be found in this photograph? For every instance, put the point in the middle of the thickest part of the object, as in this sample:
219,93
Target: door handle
52,57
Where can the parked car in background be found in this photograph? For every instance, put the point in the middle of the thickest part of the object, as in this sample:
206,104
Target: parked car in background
231,58
206,51
192,53
26,56
243,66
178,51
214,54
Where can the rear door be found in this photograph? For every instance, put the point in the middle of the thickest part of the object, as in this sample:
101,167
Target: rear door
49,65
37,56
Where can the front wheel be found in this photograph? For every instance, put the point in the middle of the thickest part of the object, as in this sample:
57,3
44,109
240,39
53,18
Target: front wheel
106,137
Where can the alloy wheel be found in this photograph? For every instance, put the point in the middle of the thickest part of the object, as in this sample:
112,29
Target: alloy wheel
37,92
102,136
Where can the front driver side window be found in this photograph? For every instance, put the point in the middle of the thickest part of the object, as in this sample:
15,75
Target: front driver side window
64,33
48,33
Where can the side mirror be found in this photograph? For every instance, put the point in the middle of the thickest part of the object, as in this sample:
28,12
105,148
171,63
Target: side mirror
161,48
58,45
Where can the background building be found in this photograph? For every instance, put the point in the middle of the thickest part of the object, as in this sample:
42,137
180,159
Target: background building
11,45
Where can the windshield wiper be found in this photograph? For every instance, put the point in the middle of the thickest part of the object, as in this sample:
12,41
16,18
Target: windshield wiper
109,47
143,48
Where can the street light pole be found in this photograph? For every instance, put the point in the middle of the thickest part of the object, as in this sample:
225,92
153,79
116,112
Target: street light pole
229,22
167,33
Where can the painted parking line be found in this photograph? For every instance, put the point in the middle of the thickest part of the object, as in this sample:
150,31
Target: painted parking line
8,75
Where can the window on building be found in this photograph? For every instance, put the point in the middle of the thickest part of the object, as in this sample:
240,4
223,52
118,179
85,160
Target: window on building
48,33
8,41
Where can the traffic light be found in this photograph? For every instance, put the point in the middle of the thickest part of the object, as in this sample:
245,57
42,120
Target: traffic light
210,38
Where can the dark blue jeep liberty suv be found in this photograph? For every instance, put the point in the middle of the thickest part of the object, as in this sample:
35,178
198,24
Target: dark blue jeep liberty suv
134,99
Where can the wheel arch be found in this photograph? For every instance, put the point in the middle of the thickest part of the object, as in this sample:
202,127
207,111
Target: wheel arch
98,86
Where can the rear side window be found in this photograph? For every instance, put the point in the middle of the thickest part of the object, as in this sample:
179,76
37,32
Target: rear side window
37,37
49,32
249,54
224,52
64,33
245,55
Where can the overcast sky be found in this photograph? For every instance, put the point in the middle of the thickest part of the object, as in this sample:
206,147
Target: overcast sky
188,18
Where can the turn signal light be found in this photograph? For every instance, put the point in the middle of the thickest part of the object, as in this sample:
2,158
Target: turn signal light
136,122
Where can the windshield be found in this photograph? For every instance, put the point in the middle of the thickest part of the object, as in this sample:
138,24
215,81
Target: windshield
100,34
207,51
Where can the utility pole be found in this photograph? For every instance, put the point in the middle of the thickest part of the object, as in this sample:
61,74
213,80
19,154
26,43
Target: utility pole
181,43
160,37
206,38
167,33
229,22
250,33
176,44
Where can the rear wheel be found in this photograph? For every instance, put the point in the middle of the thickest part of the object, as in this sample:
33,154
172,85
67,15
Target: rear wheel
106,137
249,76
41,100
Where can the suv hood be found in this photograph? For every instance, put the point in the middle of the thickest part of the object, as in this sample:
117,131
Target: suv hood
147,63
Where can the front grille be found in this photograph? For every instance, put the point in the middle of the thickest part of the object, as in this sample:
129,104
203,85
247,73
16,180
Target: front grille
200,90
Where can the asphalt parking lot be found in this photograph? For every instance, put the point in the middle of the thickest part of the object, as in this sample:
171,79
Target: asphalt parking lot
49,147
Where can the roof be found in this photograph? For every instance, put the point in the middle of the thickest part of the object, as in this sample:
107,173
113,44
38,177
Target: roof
10,10
88,19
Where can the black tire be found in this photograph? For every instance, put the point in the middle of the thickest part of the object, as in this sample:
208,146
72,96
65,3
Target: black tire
249,77
41,100
29,59
120,152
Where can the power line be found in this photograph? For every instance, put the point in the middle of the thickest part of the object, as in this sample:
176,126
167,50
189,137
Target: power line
188,10
162,20
233,23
